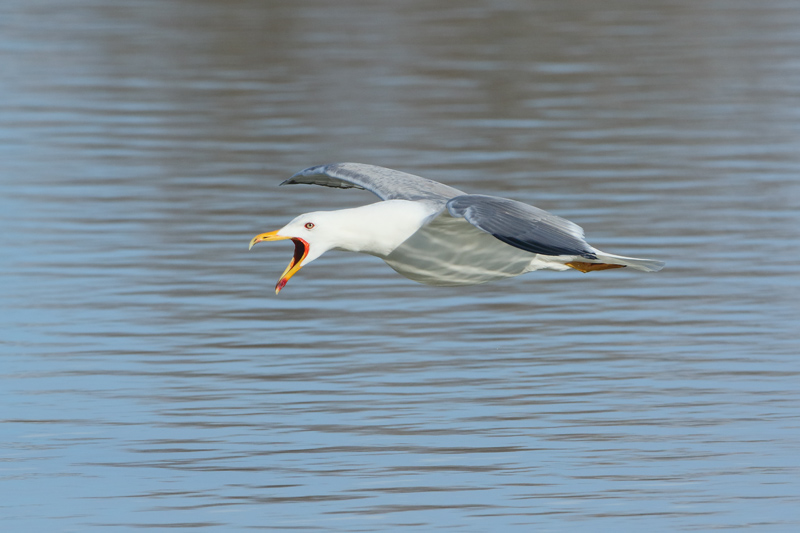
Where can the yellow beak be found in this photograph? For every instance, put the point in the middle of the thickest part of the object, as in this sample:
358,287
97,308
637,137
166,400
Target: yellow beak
271,236
300,252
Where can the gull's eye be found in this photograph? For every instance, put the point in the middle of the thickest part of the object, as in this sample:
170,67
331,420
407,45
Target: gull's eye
309,225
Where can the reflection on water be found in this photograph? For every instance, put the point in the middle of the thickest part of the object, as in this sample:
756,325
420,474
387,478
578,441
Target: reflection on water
152,379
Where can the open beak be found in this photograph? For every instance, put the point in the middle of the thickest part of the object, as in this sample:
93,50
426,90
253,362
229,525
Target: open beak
300,252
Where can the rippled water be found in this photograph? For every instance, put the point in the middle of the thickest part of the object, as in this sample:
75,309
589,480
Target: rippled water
152,379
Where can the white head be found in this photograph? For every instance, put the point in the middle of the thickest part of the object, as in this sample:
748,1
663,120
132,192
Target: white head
374,229
313,234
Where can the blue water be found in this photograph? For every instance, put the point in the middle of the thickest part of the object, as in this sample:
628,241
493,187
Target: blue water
152,379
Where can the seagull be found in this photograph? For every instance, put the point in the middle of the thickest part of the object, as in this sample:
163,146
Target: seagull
435,234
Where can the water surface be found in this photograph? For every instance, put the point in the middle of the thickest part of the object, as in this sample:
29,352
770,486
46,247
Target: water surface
152,379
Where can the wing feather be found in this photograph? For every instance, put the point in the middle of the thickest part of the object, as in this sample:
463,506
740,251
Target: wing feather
521,225
386,183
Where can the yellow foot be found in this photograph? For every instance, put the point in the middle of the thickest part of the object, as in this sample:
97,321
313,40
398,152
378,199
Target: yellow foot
588,267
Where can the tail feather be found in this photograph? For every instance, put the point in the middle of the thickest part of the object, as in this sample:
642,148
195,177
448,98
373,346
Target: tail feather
646,265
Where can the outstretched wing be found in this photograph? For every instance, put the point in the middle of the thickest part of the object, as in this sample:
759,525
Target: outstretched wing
521,225
386,183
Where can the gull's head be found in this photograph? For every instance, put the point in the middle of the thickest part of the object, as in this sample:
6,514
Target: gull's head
313,234
375,229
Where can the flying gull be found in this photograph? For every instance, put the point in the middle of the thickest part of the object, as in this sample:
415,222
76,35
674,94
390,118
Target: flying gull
437,235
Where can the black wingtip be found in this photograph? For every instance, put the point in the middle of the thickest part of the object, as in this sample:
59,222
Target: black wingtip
310,171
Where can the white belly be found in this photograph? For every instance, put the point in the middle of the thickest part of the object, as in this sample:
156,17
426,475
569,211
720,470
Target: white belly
450,251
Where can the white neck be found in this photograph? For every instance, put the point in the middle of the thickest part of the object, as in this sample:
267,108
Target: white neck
379,228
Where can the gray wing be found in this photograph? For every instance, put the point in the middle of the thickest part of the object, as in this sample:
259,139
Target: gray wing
386,183
521,225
